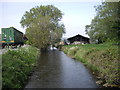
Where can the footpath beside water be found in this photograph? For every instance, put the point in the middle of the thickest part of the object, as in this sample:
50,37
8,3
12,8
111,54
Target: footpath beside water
56,70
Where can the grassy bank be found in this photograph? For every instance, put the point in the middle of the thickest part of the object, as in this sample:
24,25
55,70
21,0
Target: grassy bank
17,65
102,59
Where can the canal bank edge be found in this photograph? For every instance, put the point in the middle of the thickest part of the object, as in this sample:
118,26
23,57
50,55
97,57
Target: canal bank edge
102,60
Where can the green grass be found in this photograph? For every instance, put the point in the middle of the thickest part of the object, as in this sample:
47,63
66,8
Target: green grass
100,58
17,65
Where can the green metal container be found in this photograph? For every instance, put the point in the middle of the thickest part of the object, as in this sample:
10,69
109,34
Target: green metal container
11,36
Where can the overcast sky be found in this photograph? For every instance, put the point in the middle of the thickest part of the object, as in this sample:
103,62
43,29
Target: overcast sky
77,13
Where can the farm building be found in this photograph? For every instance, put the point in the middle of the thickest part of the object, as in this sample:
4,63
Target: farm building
78,39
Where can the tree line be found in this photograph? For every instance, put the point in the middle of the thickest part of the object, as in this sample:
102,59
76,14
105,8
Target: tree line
105,27
44,27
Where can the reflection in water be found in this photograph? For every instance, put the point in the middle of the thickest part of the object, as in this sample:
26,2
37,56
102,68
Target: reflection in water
56,70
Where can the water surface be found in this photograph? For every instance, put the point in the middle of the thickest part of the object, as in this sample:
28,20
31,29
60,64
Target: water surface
56,70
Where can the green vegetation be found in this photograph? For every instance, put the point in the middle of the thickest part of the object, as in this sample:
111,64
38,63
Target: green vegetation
17,65
106,24
43,26
102,59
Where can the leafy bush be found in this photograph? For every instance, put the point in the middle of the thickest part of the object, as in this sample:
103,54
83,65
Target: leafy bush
16,66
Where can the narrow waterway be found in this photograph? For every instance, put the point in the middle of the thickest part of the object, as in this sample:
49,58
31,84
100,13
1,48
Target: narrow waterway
57,70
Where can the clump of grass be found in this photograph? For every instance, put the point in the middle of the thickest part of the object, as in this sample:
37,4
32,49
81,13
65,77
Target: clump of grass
71,51
16,66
